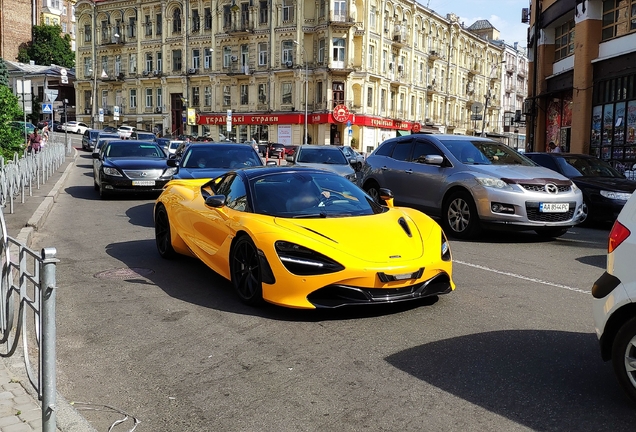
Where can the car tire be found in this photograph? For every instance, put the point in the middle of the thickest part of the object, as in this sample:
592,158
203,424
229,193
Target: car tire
163,237
459,216
103,194
551,232
373,189
624,350
95,185
245,271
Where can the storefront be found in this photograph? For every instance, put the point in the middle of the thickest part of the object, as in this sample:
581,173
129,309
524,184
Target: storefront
559,120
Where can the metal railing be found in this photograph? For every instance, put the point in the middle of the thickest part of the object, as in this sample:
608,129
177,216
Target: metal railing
27,295
24,172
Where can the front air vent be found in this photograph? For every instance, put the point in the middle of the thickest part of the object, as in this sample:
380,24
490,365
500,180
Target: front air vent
405,226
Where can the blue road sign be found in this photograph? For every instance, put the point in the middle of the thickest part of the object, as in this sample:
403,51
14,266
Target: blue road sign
47,108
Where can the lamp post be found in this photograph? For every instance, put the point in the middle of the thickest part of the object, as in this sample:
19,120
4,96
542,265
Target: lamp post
306,85
94,61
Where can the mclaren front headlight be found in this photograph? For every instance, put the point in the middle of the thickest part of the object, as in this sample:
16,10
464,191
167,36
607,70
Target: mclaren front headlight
303,261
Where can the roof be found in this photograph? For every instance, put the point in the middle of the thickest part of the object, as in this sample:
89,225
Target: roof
34,69
481,25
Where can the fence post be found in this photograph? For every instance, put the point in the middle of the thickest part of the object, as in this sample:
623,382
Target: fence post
48,288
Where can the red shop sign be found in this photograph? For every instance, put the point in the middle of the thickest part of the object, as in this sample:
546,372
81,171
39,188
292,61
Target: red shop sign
341,113
416,127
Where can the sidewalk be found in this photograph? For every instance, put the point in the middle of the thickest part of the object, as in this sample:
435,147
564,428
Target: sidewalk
20,409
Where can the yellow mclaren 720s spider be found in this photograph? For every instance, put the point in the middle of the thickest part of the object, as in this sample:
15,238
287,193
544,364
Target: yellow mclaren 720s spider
303,238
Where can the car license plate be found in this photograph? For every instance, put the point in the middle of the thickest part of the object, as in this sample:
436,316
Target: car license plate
554,207
143,183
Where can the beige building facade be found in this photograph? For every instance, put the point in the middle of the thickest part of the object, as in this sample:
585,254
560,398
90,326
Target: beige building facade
353,72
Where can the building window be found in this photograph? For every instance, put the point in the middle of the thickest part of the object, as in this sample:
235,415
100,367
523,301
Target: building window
88,34
383,100
245,15
227,56
159,98
263,49
132,63
322,8
564,40
619,18
118,64
159,24
372,18
196,58
244,94
207,96
286,93
196,20
288,49
371,56
288,11
104,98
176,21
207,19
319,92
105,32
227,16
262,93
105,65
63,27
338,49
207,58
196,101
87,100
227,96
337,90
148,98
133,98
176,60
263,12
88,66
132,27
159,61
321,51
148,25
149,62
370,97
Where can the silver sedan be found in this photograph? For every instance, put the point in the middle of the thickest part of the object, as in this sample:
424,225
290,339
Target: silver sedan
471,183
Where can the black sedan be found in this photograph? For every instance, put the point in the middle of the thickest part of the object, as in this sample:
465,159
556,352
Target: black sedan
209,160
127,166
605,190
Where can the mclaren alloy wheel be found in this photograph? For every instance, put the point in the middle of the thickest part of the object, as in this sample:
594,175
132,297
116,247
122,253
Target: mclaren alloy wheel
245,269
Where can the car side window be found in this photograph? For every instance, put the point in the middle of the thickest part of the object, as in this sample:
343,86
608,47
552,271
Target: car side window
233,187
402,151
547,161
386,148
422,149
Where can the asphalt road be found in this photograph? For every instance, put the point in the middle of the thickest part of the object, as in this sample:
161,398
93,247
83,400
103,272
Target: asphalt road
513,348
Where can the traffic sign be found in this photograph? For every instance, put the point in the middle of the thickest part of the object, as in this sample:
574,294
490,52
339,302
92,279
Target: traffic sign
116,112
101,115
50,94
47,108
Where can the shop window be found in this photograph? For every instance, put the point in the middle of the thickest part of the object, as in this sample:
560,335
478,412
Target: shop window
619,18
564,40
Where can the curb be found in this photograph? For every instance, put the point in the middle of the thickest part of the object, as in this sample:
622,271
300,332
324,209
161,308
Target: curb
68,419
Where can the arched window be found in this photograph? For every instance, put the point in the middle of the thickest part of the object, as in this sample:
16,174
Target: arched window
176,21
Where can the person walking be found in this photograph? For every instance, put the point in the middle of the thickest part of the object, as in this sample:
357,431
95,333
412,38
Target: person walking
45,134
35,142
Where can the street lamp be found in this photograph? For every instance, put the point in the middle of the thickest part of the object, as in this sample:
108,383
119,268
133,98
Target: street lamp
306,85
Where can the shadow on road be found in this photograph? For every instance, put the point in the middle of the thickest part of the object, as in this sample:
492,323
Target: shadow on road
189,280
545,380
599,261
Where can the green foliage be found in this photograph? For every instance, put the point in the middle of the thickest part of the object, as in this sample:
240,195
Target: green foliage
48,47
11,140
4,73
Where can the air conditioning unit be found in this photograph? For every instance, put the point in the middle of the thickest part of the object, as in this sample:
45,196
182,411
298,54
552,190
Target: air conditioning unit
192,71
158,110
289,63
429,87
234,58
400,68
145,73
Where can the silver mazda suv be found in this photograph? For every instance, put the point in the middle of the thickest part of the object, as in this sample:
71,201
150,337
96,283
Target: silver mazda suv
471,183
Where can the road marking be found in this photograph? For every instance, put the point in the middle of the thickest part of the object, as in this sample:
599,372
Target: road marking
569,288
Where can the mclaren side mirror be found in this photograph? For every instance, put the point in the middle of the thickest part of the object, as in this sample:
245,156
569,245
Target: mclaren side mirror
215,201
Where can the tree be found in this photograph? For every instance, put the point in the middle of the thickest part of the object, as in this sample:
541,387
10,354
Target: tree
4,73
48,47
11,139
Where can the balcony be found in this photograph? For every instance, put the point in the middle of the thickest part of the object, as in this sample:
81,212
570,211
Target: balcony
510,69
341,19
510,88
435,55
398,40
236,68
238,29
474,69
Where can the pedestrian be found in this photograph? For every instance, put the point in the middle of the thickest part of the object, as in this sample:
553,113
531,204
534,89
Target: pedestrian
35,142
553,148
45,134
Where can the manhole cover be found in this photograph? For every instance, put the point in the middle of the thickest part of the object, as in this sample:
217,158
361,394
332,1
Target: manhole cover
124,273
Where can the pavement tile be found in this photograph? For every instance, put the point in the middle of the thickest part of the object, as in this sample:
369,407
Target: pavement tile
9,420
22,427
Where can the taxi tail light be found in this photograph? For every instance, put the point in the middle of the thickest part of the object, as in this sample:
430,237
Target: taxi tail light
617,235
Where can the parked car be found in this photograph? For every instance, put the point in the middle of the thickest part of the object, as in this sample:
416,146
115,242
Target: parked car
350,154
605,190
143,136
57,127
173,146
293,236
272,150
614,300
110,129
127,166
209,160
90,138
471,183
20,126
75,127
323,157
98,146
290,149
126,131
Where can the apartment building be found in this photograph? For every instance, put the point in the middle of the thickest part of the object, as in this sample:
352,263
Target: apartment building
354,72
59,12
514,93
583,78
16,18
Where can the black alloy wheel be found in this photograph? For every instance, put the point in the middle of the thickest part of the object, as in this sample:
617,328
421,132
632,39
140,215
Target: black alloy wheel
245,270
373,189
163,237
459,217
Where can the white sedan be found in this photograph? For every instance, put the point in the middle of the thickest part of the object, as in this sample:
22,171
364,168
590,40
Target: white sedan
126,131
75,127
